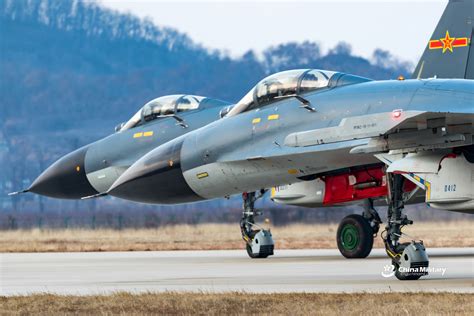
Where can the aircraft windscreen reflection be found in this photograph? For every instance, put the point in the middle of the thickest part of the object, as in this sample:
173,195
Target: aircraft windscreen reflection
164,106
281,85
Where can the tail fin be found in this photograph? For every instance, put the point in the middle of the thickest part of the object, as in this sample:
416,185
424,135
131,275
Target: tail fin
449,53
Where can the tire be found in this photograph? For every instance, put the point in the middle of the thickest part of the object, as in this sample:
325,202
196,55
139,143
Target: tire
404,276
255,256
355,237
468,152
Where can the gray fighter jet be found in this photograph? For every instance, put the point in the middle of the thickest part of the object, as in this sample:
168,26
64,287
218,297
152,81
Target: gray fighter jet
349,137
352,138
95,167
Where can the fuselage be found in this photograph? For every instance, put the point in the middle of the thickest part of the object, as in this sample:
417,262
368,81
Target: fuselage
247,152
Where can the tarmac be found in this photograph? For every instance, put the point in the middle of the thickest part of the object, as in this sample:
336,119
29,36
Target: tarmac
452,269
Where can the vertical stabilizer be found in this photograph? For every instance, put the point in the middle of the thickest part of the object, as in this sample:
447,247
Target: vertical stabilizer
449,52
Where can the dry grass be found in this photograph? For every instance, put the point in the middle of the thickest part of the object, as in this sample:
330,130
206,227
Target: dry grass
242,303
204,237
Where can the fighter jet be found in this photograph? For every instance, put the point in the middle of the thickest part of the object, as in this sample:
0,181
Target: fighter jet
92,169
297,127
353,138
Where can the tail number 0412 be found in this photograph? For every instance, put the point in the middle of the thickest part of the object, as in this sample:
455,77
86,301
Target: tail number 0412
449,188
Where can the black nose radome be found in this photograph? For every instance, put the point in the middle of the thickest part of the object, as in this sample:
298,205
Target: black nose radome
65,179
156,178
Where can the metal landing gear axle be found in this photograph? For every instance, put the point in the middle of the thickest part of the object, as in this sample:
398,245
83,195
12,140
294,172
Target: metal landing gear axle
259,241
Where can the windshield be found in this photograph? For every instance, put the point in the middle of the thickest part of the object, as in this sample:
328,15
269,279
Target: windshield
281,85
162,107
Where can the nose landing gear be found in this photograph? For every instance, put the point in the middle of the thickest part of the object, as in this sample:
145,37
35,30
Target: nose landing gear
409,260
259,241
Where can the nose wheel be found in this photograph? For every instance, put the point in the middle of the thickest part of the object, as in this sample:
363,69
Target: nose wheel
258,241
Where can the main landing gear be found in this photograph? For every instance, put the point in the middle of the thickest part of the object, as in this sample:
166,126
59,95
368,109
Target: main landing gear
259,241
355,235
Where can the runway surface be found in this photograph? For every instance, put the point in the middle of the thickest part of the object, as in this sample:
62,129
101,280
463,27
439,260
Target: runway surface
216,271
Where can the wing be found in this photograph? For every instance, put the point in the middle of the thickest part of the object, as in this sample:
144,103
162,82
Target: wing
397,131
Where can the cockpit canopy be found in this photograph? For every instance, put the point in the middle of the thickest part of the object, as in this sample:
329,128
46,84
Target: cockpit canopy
287,84
162,107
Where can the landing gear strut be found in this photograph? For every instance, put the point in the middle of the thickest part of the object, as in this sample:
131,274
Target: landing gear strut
409,260
371,215
259,241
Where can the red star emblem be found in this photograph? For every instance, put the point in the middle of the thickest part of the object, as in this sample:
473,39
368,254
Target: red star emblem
447,42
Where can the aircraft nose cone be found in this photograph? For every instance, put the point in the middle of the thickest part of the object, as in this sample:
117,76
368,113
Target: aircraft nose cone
156,178
65,179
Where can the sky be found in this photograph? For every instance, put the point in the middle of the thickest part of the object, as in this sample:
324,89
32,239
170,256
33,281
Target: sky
402,27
